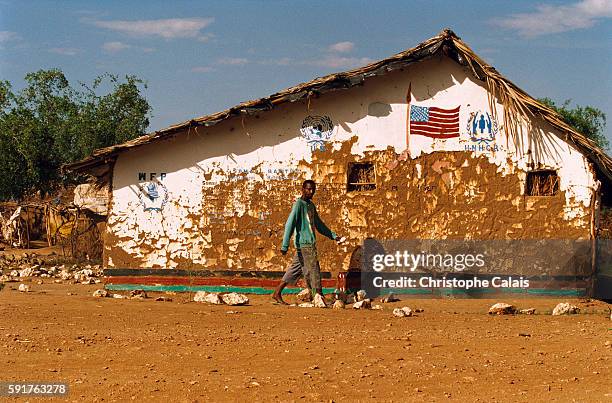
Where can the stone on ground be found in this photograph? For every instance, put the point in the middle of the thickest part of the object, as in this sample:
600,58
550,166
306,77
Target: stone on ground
199,296
233,298
565,308
529,311
338,304
361,295
101,293
319,302
138,294
304,296
402,312
363,304
213,298
502,309
389,298
24,288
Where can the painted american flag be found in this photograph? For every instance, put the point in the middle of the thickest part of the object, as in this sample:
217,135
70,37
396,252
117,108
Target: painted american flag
434,122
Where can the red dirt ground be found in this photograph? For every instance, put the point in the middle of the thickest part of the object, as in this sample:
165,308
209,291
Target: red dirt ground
115,350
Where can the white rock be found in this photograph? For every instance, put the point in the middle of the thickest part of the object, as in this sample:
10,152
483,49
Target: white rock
502,309
363,304
83,275
101,293
233,298
389,298
319,302
199,296
304,296
14,273
213,298
138,294
399,313
65,275
338,304
118,296
529,311
407,311
27,272
565,308
306,305
361,295
377,307
24,288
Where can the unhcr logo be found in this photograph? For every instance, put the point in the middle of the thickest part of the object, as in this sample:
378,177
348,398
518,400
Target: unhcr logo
482,128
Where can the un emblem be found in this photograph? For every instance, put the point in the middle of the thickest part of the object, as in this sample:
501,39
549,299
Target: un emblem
153,196
482,127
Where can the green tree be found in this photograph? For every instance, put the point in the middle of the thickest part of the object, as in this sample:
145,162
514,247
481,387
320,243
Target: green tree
587,120
49,123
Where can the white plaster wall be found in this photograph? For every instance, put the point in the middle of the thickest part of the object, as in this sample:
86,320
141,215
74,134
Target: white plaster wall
273,141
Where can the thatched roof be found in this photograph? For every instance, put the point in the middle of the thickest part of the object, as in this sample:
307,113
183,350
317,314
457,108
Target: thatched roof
518,105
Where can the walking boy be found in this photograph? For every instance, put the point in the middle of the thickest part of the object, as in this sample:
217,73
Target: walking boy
303,220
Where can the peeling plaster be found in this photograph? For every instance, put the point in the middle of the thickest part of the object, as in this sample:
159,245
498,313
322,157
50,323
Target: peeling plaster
230,194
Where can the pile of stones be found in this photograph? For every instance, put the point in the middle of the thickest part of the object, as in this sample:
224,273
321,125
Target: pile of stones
17,268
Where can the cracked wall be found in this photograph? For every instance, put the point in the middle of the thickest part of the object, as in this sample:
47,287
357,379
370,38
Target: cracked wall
226,191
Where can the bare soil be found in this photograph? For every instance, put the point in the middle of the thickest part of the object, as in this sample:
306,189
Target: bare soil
118,349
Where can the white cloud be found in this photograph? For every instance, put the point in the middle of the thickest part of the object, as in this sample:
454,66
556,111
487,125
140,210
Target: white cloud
205,37
342,47
166,28
233,61
285,61
337,62
550,19
6,36
114,47
202,69
65,51
329,61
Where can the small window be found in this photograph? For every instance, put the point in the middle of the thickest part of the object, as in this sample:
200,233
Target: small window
542,183
361,177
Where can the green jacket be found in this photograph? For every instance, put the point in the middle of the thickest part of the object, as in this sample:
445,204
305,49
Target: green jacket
299,223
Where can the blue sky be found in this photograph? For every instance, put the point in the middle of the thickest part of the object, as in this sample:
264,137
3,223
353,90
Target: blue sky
200,57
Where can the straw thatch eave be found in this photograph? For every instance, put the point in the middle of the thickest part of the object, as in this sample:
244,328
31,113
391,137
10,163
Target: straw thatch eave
518,105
